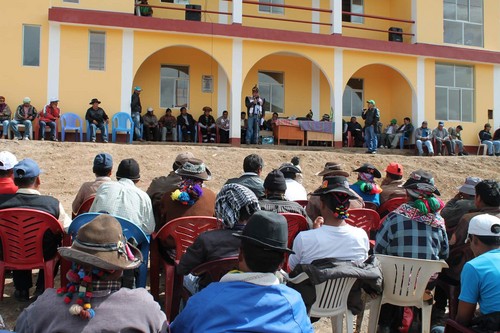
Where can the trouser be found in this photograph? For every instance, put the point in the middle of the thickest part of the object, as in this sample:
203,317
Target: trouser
223,136
152,133
371,138
459,144
136,118
43,124
188,133
102,127
492,144
243,135
385,139
208,134
395,140
252,130
165,131
5,128
439,146
27,128
427,143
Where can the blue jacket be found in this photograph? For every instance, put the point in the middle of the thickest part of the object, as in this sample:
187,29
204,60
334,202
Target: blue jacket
375,198
243,307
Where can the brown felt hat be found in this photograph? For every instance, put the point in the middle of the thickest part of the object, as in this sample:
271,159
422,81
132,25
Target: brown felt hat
333,169
194,168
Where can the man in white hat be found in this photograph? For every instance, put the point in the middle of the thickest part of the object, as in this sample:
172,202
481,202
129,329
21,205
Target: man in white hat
7,162
481,276
151,127
48,117
25,114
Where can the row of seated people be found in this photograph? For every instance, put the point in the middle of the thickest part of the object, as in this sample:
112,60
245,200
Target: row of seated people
335,196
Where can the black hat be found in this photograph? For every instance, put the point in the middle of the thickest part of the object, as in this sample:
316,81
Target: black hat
421,180
95,100
368,168
128,168
268,230
275,181
337,184
289,168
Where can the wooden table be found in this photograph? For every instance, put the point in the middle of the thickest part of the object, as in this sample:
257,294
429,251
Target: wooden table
318,136
283,132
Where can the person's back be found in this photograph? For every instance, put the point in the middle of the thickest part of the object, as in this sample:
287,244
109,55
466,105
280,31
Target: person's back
7,162
252,167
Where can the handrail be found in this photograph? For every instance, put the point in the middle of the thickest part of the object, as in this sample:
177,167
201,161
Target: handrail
186,9
285,20
378,17
377,30
285,6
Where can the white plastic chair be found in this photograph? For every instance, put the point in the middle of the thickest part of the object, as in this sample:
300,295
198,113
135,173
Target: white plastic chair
405,281
331,300
483,145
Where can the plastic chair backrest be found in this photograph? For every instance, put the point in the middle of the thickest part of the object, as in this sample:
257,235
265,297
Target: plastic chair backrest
185,230
216,268
366,219
296,224
483,145
390,205
405,279
303,203
371,205
122,121
85,206
21,232
71,121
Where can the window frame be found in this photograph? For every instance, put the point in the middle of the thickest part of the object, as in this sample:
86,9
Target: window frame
26,46
174,92
464,23
268,106
92,58
272,10
353,112
347,6
72,1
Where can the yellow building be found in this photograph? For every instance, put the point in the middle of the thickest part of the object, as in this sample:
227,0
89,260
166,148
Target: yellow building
329,56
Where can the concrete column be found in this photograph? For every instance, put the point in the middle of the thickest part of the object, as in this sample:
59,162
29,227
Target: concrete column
127,69
221,90
315,98
336,96
54,56
414,11
315,17
237,11
223,7
236,84
496,97
336,18
418,102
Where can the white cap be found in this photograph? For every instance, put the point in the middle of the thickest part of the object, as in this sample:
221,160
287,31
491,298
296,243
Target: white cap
7,160
150,109
53,99
482,225
26,100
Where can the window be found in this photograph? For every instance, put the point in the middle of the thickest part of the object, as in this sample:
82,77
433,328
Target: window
353,98
97,50
31,45
272,9
454,92
174,86
272,88
463,22
352,6
72,1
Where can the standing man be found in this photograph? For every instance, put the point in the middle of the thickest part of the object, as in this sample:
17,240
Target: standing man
98,120
456,139
151,127
255,109
423,136
25,114
223,125
371,117
48,117
135,112
5,115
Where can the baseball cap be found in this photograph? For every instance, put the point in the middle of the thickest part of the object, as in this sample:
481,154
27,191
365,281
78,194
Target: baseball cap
371,101
395,169
150,109
394,121
26,168
137,88
53,100
26,100
103,161
441,123
7,160
469,187
484,225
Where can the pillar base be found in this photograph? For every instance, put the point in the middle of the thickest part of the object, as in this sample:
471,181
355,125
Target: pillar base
235,142
337,144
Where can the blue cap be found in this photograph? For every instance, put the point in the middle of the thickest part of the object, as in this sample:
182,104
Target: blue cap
26,168
102,161
137,88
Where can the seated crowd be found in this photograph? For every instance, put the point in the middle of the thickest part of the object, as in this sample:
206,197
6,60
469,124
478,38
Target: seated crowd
102,296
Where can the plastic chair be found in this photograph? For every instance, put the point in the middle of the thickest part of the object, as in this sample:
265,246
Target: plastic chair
84,207
130,230
371,205
21,232
303,203
71,122
200,135
454,327
184,231
482,145
296,223
390,205
364,218
331,300
36,128
179,133
402,140
405,281
122,122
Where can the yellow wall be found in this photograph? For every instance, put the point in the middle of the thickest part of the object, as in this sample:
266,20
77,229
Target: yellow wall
119,6
491,13
324,96
429,16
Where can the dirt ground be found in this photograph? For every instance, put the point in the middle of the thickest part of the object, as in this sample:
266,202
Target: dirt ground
66,165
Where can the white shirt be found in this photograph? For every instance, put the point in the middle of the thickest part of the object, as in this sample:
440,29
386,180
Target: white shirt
294,190
124,199
342,243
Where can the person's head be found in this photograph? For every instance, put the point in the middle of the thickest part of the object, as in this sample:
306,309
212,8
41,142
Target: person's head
295,160
424,124
326,117
310,115
243,115
184,111
95,103
487,127
393,122
2,99
459,128
421,192
26,101
253,163
129,168
468,189
368,172
207,110
26,174
234,205
255,91
194,169
275,184
53,102
150,110
263,243
484,233
168,112
275,115
354,120
332,169
488,194
394,171
289,170
137,90
440,125
407,120
371,103
181,159
335,194
7,162
103,165
225,114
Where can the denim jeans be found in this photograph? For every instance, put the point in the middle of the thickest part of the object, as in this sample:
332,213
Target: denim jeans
104,131
459,144
27,128
52,125
371,138
427,143
136,118
5,128
492,144
252,136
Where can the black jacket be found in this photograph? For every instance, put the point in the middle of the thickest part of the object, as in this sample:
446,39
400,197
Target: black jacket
135,104
371,116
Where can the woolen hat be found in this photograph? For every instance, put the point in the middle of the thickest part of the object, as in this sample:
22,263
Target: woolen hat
194,168
102,161
423,181
26,168
268,230
129,168
335,184
7,160
368,168
100,243
181,159
95,100
484,225
469,187
333,169
394,169
275,181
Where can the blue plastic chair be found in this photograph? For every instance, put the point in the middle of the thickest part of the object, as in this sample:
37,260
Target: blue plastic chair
179,133
129,230
122,122
71,122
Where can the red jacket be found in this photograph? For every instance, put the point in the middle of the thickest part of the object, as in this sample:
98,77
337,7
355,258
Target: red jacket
49,113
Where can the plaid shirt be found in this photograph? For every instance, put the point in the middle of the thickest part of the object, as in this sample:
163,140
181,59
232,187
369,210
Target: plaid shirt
403,237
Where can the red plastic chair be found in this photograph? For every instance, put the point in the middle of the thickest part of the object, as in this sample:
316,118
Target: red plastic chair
21,232
454,327
84,207
371,205
200,135
366,219
296,224
184,231
303,203
390,205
